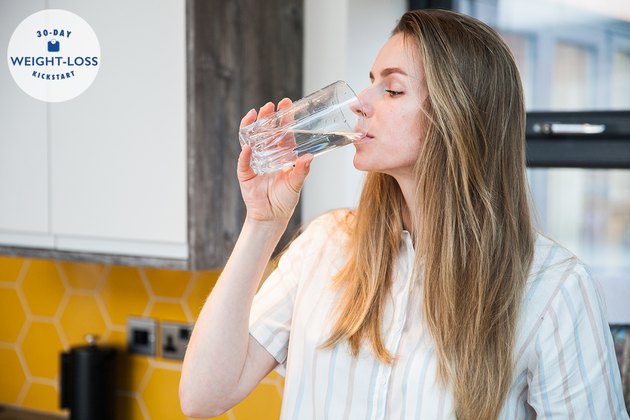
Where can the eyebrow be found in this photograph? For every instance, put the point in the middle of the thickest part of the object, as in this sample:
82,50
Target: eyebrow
390,70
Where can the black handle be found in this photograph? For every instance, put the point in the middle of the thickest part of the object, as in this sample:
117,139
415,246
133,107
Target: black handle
568,128
588,139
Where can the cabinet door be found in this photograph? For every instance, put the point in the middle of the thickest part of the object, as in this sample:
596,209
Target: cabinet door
24,192
118,151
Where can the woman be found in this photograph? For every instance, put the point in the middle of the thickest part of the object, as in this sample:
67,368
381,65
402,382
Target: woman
435,298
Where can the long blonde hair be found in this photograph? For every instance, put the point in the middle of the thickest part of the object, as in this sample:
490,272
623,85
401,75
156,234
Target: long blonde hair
472,229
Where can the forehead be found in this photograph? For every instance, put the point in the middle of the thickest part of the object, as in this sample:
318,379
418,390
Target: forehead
398,52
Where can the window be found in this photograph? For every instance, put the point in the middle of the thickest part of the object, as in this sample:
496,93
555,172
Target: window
574,60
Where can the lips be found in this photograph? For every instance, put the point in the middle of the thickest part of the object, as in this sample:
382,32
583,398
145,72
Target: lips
365,139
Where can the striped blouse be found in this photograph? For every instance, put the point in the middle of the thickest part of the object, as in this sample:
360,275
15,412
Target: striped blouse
565,365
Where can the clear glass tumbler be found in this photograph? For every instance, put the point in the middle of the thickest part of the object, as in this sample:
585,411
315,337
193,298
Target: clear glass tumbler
325,120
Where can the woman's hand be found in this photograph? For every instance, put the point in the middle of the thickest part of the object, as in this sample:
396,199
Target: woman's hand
273,196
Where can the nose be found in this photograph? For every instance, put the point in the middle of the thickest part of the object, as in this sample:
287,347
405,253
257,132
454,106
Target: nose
369,99
363,109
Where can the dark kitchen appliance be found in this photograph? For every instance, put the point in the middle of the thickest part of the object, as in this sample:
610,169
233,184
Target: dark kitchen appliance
88,381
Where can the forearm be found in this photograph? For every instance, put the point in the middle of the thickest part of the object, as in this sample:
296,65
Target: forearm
218,346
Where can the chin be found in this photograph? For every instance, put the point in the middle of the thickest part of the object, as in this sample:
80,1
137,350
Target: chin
358,164
364,165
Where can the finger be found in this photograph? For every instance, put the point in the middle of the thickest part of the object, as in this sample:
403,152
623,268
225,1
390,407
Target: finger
286,117
249,118
266,109
285,103
244,171
299,173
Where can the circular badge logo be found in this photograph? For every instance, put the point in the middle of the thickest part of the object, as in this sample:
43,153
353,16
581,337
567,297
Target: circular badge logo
54,55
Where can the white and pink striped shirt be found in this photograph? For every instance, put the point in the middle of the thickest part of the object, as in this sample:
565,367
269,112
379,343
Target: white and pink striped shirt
565,365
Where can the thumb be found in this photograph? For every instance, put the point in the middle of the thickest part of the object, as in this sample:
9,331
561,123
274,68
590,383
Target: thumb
244,171
298,174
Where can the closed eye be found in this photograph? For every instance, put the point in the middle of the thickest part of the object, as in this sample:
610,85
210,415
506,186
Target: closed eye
393,92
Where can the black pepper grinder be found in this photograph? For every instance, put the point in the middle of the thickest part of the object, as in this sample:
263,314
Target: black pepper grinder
88,381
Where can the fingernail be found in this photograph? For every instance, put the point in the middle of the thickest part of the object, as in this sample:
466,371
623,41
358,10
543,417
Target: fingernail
308,164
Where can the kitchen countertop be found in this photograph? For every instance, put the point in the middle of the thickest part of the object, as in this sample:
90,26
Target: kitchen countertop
15,413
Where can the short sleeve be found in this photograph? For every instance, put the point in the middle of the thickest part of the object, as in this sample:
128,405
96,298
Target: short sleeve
573,371
272,308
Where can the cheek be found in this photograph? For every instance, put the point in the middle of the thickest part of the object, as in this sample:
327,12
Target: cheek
418,135
410,129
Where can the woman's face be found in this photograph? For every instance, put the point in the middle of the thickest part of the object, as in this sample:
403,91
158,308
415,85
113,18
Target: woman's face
394,138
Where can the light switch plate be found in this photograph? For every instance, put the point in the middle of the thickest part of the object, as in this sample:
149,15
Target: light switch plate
141,335
174,338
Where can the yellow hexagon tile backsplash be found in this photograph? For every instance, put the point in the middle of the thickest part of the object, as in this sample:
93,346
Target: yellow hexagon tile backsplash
168,311
42,397
85,276
124,294
49,306
10,268
169,283
160,394
41,348
11,308
43,287
12,380
82,316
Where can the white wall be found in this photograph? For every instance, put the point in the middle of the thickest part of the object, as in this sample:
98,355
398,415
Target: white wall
341,41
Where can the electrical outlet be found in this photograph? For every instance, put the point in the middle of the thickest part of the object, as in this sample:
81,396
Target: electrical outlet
141,335
174,339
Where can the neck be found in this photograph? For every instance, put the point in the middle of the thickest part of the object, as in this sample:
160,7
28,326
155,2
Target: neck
407,186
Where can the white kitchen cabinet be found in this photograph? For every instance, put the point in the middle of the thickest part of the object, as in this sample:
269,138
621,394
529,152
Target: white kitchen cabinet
141,167
104,172
118,151
24,166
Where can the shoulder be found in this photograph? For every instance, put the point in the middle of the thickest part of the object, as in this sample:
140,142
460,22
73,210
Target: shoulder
335,224
334,219
327,234
560,293
565,345
555,268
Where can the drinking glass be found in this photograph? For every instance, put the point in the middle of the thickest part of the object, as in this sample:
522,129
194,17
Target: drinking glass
325,120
